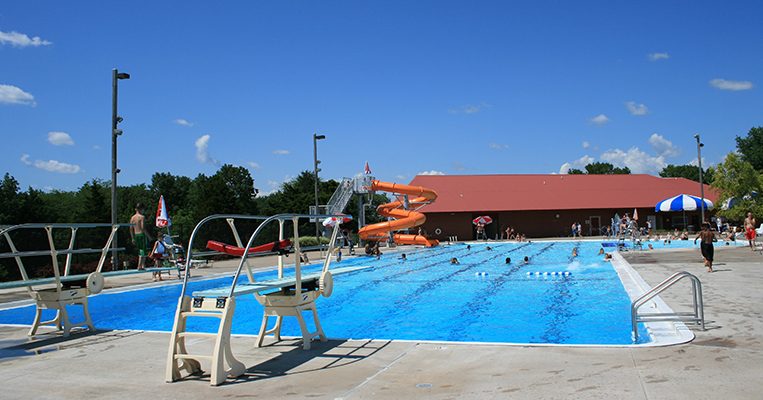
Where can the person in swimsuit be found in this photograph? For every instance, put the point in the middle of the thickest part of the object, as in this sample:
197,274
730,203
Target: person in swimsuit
139,234
706,245
749,230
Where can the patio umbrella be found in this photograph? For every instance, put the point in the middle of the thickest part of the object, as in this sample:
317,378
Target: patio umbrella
162,218
331,221
683,202
484,219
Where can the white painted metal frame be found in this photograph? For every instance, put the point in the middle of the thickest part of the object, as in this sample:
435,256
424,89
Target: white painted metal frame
58,297
277,304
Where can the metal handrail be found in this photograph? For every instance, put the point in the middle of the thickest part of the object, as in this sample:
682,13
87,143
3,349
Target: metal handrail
698,316
265,220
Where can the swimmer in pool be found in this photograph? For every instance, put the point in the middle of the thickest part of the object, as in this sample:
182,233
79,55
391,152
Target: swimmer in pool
403,257
454,260
468,247
526,260
601,251
508,260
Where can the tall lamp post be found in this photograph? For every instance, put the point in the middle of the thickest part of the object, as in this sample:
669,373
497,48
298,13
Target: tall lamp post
316,138
701,185
115,120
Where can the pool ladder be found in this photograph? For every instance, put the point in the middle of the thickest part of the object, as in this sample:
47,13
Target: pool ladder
697,316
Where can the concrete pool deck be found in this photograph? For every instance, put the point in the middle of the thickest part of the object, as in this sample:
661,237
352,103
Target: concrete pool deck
726,360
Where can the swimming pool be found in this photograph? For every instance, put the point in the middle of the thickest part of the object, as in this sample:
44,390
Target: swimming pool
482,299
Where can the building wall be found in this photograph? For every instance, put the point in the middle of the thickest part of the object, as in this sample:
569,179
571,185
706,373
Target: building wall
541,223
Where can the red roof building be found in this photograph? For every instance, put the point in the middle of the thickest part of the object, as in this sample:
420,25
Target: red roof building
547,205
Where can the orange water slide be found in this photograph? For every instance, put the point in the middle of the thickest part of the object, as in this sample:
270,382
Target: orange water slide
404,219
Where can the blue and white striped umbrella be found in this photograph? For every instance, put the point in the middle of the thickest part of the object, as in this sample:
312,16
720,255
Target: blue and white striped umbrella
683,202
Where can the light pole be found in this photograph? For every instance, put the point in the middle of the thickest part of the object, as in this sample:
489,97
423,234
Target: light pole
316,138
701,185
115,120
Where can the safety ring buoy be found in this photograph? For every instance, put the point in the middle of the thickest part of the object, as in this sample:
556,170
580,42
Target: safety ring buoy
95,282
438,231
326,284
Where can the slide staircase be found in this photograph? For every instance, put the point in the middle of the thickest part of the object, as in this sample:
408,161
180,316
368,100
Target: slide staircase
341,197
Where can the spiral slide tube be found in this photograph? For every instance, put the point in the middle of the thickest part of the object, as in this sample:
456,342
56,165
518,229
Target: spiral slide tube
404,219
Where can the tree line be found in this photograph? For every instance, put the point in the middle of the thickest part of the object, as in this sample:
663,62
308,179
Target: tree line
229,191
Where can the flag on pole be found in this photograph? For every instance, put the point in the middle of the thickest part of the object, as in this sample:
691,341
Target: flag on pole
162,219
367,170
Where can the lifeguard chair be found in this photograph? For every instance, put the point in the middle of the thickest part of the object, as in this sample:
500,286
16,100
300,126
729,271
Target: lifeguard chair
281,297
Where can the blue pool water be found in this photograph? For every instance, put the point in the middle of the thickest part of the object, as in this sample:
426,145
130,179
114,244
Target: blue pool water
425,298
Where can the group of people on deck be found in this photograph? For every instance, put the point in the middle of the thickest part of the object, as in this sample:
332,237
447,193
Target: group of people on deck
510,234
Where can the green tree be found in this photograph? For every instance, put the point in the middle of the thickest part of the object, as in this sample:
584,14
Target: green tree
175,190
600,168
11,201
751,147
60,206
737,178
95,206
687,171
240,187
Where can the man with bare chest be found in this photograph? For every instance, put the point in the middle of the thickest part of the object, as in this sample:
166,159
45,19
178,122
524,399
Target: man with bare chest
139,234
707,238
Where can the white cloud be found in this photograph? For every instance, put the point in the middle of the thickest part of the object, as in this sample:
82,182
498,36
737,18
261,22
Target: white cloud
57,166
498,146
183,122
579,164
636,160
724,84
17,39
96,147
10,94
694,162
432,172
60,139
636,109
25,159
662,146
585,144
600,119
202,150
401,177
253,165
469,108
658,56
281,152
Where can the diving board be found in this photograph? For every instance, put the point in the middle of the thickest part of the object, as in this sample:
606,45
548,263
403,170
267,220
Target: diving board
275,284
62,293
78,277
282,297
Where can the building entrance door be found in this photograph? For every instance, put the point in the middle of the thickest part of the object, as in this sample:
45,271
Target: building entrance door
594,228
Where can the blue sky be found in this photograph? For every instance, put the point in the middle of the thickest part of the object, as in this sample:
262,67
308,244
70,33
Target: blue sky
411,87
